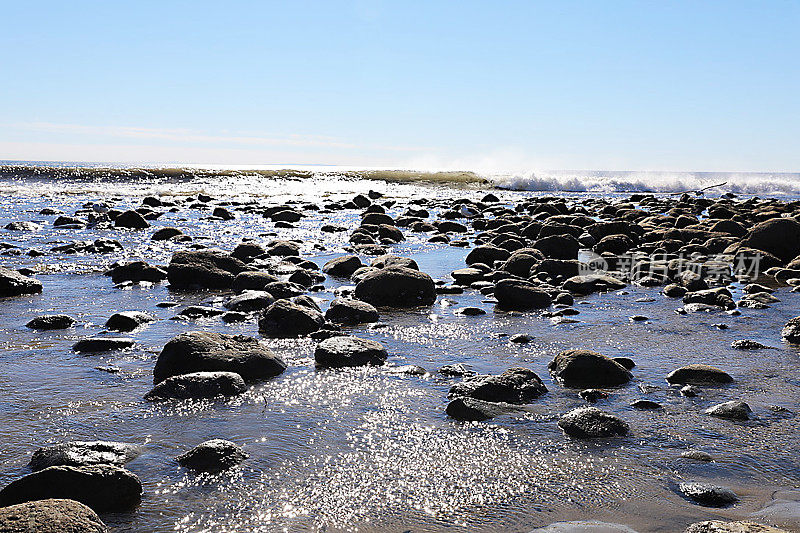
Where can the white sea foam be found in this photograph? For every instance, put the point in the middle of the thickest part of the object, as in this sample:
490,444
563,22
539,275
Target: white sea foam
664,182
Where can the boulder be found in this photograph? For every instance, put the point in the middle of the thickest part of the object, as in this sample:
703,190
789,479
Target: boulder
102,344
389,260
558,246
520,294
470,409
12,283
591,422
46,322
247,251
585,368
350,312
283,248
698,375
342,267
50,516
487,255
205,351
165,234
791,331
249,301
515,385
253,280
104,488
203,270
347,351
396,287
137,271
131,219
198,385
128,320
213,455
285,319
592,283
778,236
83,453
732,410
707,494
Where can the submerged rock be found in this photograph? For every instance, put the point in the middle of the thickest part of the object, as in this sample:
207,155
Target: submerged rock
515,385
585,368
47,322
104,488
213,456
707,494
50,516
591,422
198,385
584,526
102,344
346,351
203,351
471,409
83,453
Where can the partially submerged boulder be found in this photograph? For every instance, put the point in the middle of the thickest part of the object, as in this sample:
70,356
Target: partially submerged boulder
198,385
104,488
515,385
83,453
213,455
396,287
285,319
697,374
48,322
520,294
347,311
591,422
585,368
128,320
348,351
204,351
205,269
12,283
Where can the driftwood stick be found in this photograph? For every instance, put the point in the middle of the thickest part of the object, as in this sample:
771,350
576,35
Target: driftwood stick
701,190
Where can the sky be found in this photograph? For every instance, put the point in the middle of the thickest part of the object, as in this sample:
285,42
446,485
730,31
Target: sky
503,85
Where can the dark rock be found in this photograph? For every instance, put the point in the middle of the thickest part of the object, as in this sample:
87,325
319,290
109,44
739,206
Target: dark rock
584,368
128,320
342,267
396,287
82,453
791,331
213,455
520,294
487,255
247,251
137,271
470,409
50,516
470,311
256,281
590,422
22,225
104,488
346,351
515,385
12,283
626,362
284,289
698,375
102,344
46,322
198,385
592,283
593,395
646,405
707,494
221,212
558,246
165,234
249,301
747,344
718,526
778,236
351,312
204,351
132,220
697,455
285,319
521,338
203,270
200,311
456,370
689,391
390,261
283,248
732,410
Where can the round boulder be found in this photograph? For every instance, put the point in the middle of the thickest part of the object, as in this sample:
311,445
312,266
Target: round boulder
47,322
396,287
585,368
520,294
347,351
515,385
12,283
591,422
50,516
83,453
213,455
285,319
351,312
205,351
198,385
698,375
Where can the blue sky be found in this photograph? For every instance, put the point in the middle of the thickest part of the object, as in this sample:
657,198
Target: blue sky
480,85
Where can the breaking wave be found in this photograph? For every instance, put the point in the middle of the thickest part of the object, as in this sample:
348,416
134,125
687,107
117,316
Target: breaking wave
655,182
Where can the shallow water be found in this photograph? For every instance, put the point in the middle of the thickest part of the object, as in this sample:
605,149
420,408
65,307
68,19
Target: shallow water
365,449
